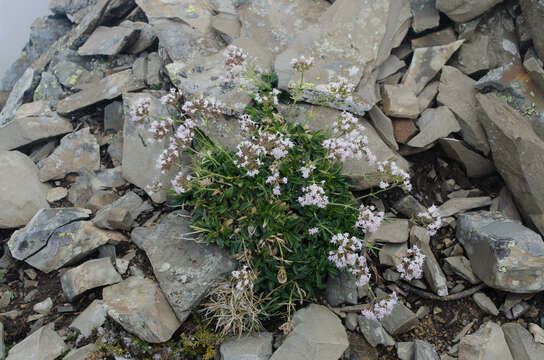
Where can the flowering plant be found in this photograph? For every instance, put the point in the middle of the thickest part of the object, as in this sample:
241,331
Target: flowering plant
278,201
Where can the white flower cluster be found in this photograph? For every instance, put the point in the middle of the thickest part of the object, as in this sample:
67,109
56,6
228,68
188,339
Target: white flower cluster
249,155
381,308
140,110
159,129
276,144
347,255
411,267
246,124
181,183
339,90
244,278
431,219
276,180
313,231
314,195
302,64
173,97
265,99
235,62
206,107
307,170
369,220
180,141
390,174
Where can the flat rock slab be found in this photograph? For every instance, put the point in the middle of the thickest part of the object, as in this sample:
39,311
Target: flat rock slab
521,343
43,344
400,320
16,96
342,289
460,265
487,343
76,151
91,318
140,307
426,16
458,205
81,353
400,101
318,334
195,13
465,10
250,347
374,332
32,121
185,268
89,275
431,267
106,89
21,192
475,164
434,124
503,253
394,231
109,40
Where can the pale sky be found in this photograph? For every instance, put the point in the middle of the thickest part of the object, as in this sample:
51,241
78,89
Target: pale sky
15,19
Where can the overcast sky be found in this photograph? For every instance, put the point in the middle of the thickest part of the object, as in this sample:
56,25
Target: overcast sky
15,19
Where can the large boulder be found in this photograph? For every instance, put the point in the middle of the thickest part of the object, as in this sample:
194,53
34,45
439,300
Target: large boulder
318,334
503,253
21,192
518,154
186,269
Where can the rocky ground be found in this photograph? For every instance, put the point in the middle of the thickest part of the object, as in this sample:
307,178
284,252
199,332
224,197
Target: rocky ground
94,266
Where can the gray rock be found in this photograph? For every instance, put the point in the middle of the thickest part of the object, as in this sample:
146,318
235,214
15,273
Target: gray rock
427,95
49,89
22,192
73,9
434,124
400,101
72,75
91,318
58,237
172,252
426,63
504,203
22,87
400,320
485,303
537,332
342,289
457,92
76,151
113,218
405,350
43,344
155,64
33,121
87,276
425,15
198,16
535,71
317,335
145,39
106,89
460,266
435,38
2,336
374,332
113,116
394,231
517,153
81,353
424,351
431,268
518,310
458,205
409,206
465,10
43,307
383,126
109,40
533,11
249,347
475,165
227,25
133,203
503,253
487,343
351,321
138,153
140,307
392,254
389,67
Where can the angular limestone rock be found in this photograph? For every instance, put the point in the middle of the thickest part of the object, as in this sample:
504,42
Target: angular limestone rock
400,101
458,205
109,40
16,96
465,10
431,267
487,343
43,344
89,275
434,124
91,318
253,347
475,164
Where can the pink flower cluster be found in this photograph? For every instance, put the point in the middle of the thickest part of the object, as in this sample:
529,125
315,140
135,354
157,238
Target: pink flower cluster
390,174
276,180
248,157
181,183
139,111
173,97
313,231
369,220
411,267
314,195
307,170
246,124
205,107
235,62
159,129
381,308
302,63
339,90
244,278
178,143
431,219
347,256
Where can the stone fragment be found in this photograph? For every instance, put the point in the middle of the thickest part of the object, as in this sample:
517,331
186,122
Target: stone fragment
140,307
487,343
390,67
517,153
109,40
457,205
400,320
317,335
518,311
405,350
113,116
146,36
426,63
76,151
485,303
87,276
58,237
114,218
395,231
465,10
56,194
533,11
72,75
537,332
425,15
504,203
186,270
82,353
22,87
457,92
91,318
49,89
409,206
535,71
32,121
374,332
106,89
427,96
400,101
43,344
424,351
460,266
342,289
197,15
392,254
521,343
437,38
227,25
404,130
431,268
250,347
22,194
474,164
503,253
384,126
434,124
